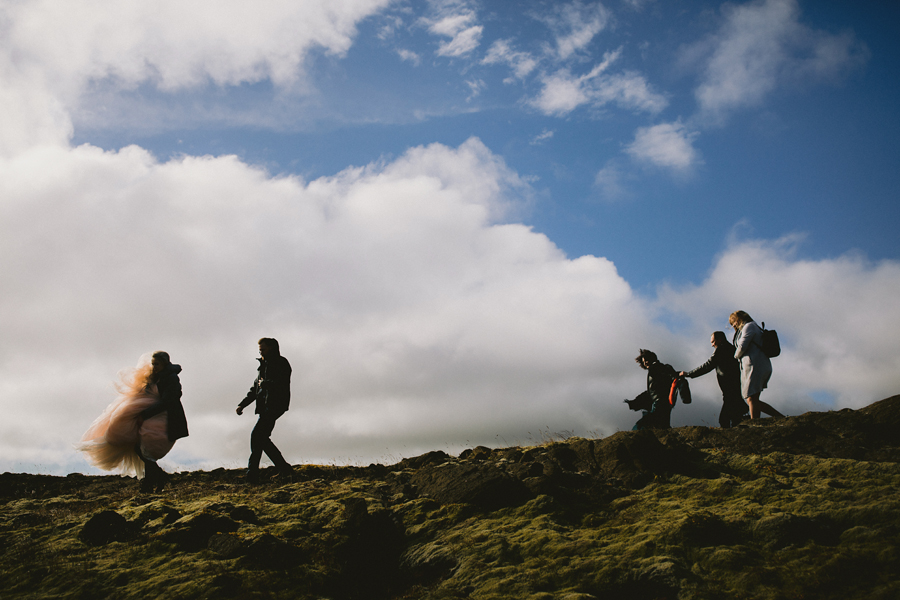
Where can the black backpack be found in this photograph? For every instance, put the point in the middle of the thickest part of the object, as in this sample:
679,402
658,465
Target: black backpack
770,344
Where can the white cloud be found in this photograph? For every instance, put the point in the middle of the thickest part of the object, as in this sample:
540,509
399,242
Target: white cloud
542,137
416,311
576,25
461,27
563,92
611,181
51,52
830,315
413,314
410,56
667,145
176,44
501,52
630,91
762,45
476,86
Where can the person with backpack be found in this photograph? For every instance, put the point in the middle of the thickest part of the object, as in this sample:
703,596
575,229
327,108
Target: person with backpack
756,368
728,374
655,401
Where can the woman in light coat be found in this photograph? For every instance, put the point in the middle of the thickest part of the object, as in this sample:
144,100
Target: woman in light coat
756,368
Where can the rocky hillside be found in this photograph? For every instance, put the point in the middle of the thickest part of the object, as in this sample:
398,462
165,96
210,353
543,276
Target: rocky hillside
803,507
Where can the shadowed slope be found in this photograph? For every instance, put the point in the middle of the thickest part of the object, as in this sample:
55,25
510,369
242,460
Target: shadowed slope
802,507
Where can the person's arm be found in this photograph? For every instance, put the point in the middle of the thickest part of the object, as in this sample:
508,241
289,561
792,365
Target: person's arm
742,345
642,402
249,398
702,369
170,393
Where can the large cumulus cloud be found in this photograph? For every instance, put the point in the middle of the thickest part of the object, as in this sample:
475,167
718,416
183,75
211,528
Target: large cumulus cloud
414,312
417,309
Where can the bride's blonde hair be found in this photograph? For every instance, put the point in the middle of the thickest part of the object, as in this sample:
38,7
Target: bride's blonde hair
135,380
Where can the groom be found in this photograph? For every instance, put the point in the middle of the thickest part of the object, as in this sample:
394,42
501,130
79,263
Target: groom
272,393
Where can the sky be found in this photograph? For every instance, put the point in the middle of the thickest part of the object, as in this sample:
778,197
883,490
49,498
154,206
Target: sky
461,219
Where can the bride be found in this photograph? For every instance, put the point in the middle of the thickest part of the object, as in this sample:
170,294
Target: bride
141,425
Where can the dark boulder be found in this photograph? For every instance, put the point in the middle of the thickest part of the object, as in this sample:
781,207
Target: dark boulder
367,551
105,527
484,485
636,457
193,533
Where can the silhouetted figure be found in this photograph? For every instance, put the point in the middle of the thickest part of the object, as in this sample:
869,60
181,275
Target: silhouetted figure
756,368
142,424
272,393
728,373
655,401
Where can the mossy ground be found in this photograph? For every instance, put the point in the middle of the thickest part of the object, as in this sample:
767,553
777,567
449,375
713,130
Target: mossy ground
740,526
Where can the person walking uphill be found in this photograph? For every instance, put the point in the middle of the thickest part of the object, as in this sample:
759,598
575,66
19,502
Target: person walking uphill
655,401
728,374
756,368
272,393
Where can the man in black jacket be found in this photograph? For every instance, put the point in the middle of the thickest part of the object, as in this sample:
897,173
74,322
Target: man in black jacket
165,376
655,401
272,393
728,373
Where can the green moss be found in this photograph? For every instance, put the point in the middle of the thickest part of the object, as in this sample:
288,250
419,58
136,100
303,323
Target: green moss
732,525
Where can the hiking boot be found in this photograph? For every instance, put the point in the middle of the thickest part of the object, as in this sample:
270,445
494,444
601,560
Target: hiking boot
162,479
251,477
146,486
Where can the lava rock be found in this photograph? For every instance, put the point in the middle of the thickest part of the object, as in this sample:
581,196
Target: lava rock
105,527
483,485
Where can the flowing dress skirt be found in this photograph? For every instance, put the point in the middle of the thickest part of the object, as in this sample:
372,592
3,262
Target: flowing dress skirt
112,440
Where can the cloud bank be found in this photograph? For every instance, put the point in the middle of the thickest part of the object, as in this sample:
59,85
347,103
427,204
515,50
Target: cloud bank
416,309
415,313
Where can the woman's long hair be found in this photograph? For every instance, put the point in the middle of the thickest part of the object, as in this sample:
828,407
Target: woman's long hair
738,318
135,380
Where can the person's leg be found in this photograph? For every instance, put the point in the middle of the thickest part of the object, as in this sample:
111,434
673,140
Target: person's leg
259,443
753,403
274,454
664,417
725,416
757,406
153,474
735,409
766,409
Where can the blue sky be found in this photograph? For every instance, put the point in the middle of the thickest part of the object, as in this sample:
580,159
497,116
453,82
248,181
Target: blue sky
797,158
461,218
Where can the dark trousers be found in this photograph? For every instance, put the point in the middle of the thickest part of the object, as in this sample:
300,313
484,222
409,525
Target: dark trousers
655,419
260,442
734,410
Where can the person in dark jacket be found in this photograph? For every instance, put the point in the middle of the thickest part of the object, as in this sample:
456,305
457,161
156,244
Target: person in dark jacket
728,373
655,401
165,375
272,393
